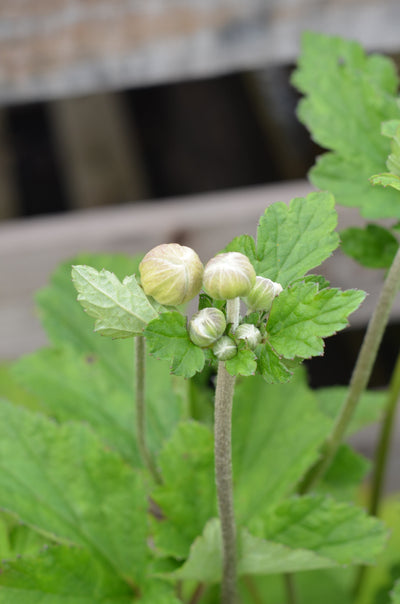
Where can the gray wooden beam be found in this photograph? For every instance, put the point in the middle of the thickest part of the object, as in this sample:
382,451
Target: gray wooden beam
58,48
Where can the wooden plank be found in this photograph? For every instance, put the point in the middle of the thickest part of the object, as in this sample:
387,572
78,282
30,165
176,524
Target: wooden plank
56,48
97,146
30,249
9,202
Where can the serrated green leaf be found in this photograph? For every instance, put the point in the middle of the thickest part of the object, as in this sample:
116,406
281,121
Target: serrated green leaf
301,316
17,538
337,531
347,97
293,240
267,442
244,363
187,498
61,575
61,480
121,310
298,535
369,409
389,128
80,386
66,324
373,246
387,179
168,339
271,366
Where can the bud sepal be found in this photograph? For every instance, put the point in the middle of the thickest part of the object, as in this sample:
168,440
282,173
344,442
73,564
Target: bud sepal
249,334
225,348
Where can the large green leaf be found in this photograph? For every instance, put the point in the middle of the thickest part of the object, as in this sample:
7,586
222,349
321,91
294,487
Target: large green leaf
61,575
81,385
299,534
347,97
187,498
70,575
270,452
61,480
302,315
292,240
121,310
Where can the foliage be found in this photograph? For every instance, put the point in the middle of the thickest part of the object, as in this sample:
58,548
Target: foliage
84,520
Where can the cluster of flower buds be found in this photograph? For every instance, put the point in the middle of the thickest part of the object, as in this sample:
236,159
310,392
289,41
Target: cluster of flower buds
173,274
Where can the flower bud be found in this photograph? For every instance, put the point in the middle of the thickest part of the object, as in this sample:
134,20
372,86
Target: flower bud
249,333
171,273
225,348
228,276
262,294
207,326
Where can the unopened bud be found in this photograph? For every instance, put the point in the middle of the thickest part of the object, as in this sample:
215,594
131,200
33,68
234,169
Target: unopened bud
262,294
207,326
171,273
249,333
225,348
228,276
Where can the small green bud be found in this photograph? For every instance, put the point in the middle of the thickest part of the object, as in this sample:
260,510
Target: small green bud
207,326
229,275
249,333
262,294
171,273
225,348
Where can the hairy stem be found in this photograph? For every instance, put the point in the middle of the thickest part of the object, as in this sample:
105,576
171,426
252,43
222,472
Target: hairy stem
361,374
385,437
140,376
223,467
381,456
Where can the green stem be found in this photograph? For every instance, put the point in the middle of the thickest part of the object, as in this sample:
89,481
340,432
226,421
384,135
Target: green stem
381,456
140,377
290,588
223,467
252,589
361,374
384,441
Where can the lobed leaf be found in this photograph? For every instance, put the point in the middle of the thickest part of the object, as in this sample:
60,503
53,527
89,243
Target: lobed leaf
187,498
347,97
121,310
168,339
71,384
301,316
244,363
62,481
292,240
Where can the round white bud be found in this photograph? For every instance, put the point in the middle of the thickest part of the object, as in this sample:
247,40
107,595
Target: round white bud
249,333
207,326
225,348
171,273
229,275
262,294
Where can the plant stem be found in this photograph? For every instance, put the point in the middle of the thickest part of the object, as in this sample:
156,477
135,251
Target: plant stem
140,376
361,374
223,467
248,580
384,441
381,455
290,588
